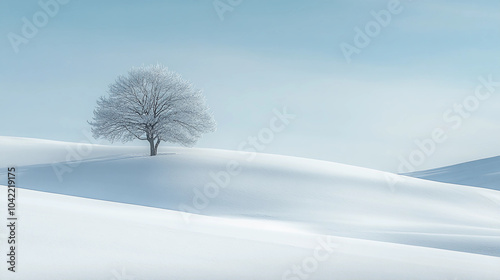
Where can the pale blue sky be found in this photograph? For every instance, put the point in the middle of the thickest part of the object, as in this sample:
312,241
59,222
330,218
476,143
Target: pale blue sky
265,55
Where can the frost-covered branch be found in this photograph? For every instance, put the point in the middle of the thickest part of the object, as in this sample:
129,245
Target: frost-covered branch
154,104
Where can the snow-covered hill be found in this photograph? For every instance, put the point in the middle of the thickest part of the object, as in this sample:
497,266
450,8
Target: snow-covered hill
483,173
64,237
256,216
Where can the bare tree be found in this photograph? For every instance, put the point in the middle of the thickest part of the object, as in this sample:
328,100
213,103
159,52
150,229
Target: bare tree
153,104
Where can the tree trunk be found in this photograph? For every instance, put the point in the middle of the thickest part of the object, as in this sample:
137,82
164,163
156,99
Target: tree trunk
152,147
156,146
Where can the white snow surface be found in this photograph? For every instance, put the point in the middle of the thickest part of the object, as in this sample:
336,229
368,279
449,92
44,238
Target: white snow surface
116,213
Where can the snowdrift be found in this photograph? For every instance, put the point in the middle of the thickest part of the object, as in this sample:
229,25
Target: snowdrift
483,173
93,212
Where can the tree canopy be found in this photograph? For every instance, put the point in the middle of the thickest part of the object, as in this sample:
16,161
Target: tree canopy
154,104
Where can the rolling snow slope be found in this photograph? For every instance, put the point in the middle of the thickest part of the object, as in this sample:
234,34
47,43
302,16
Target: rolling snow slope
266,207
65,237
483,173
